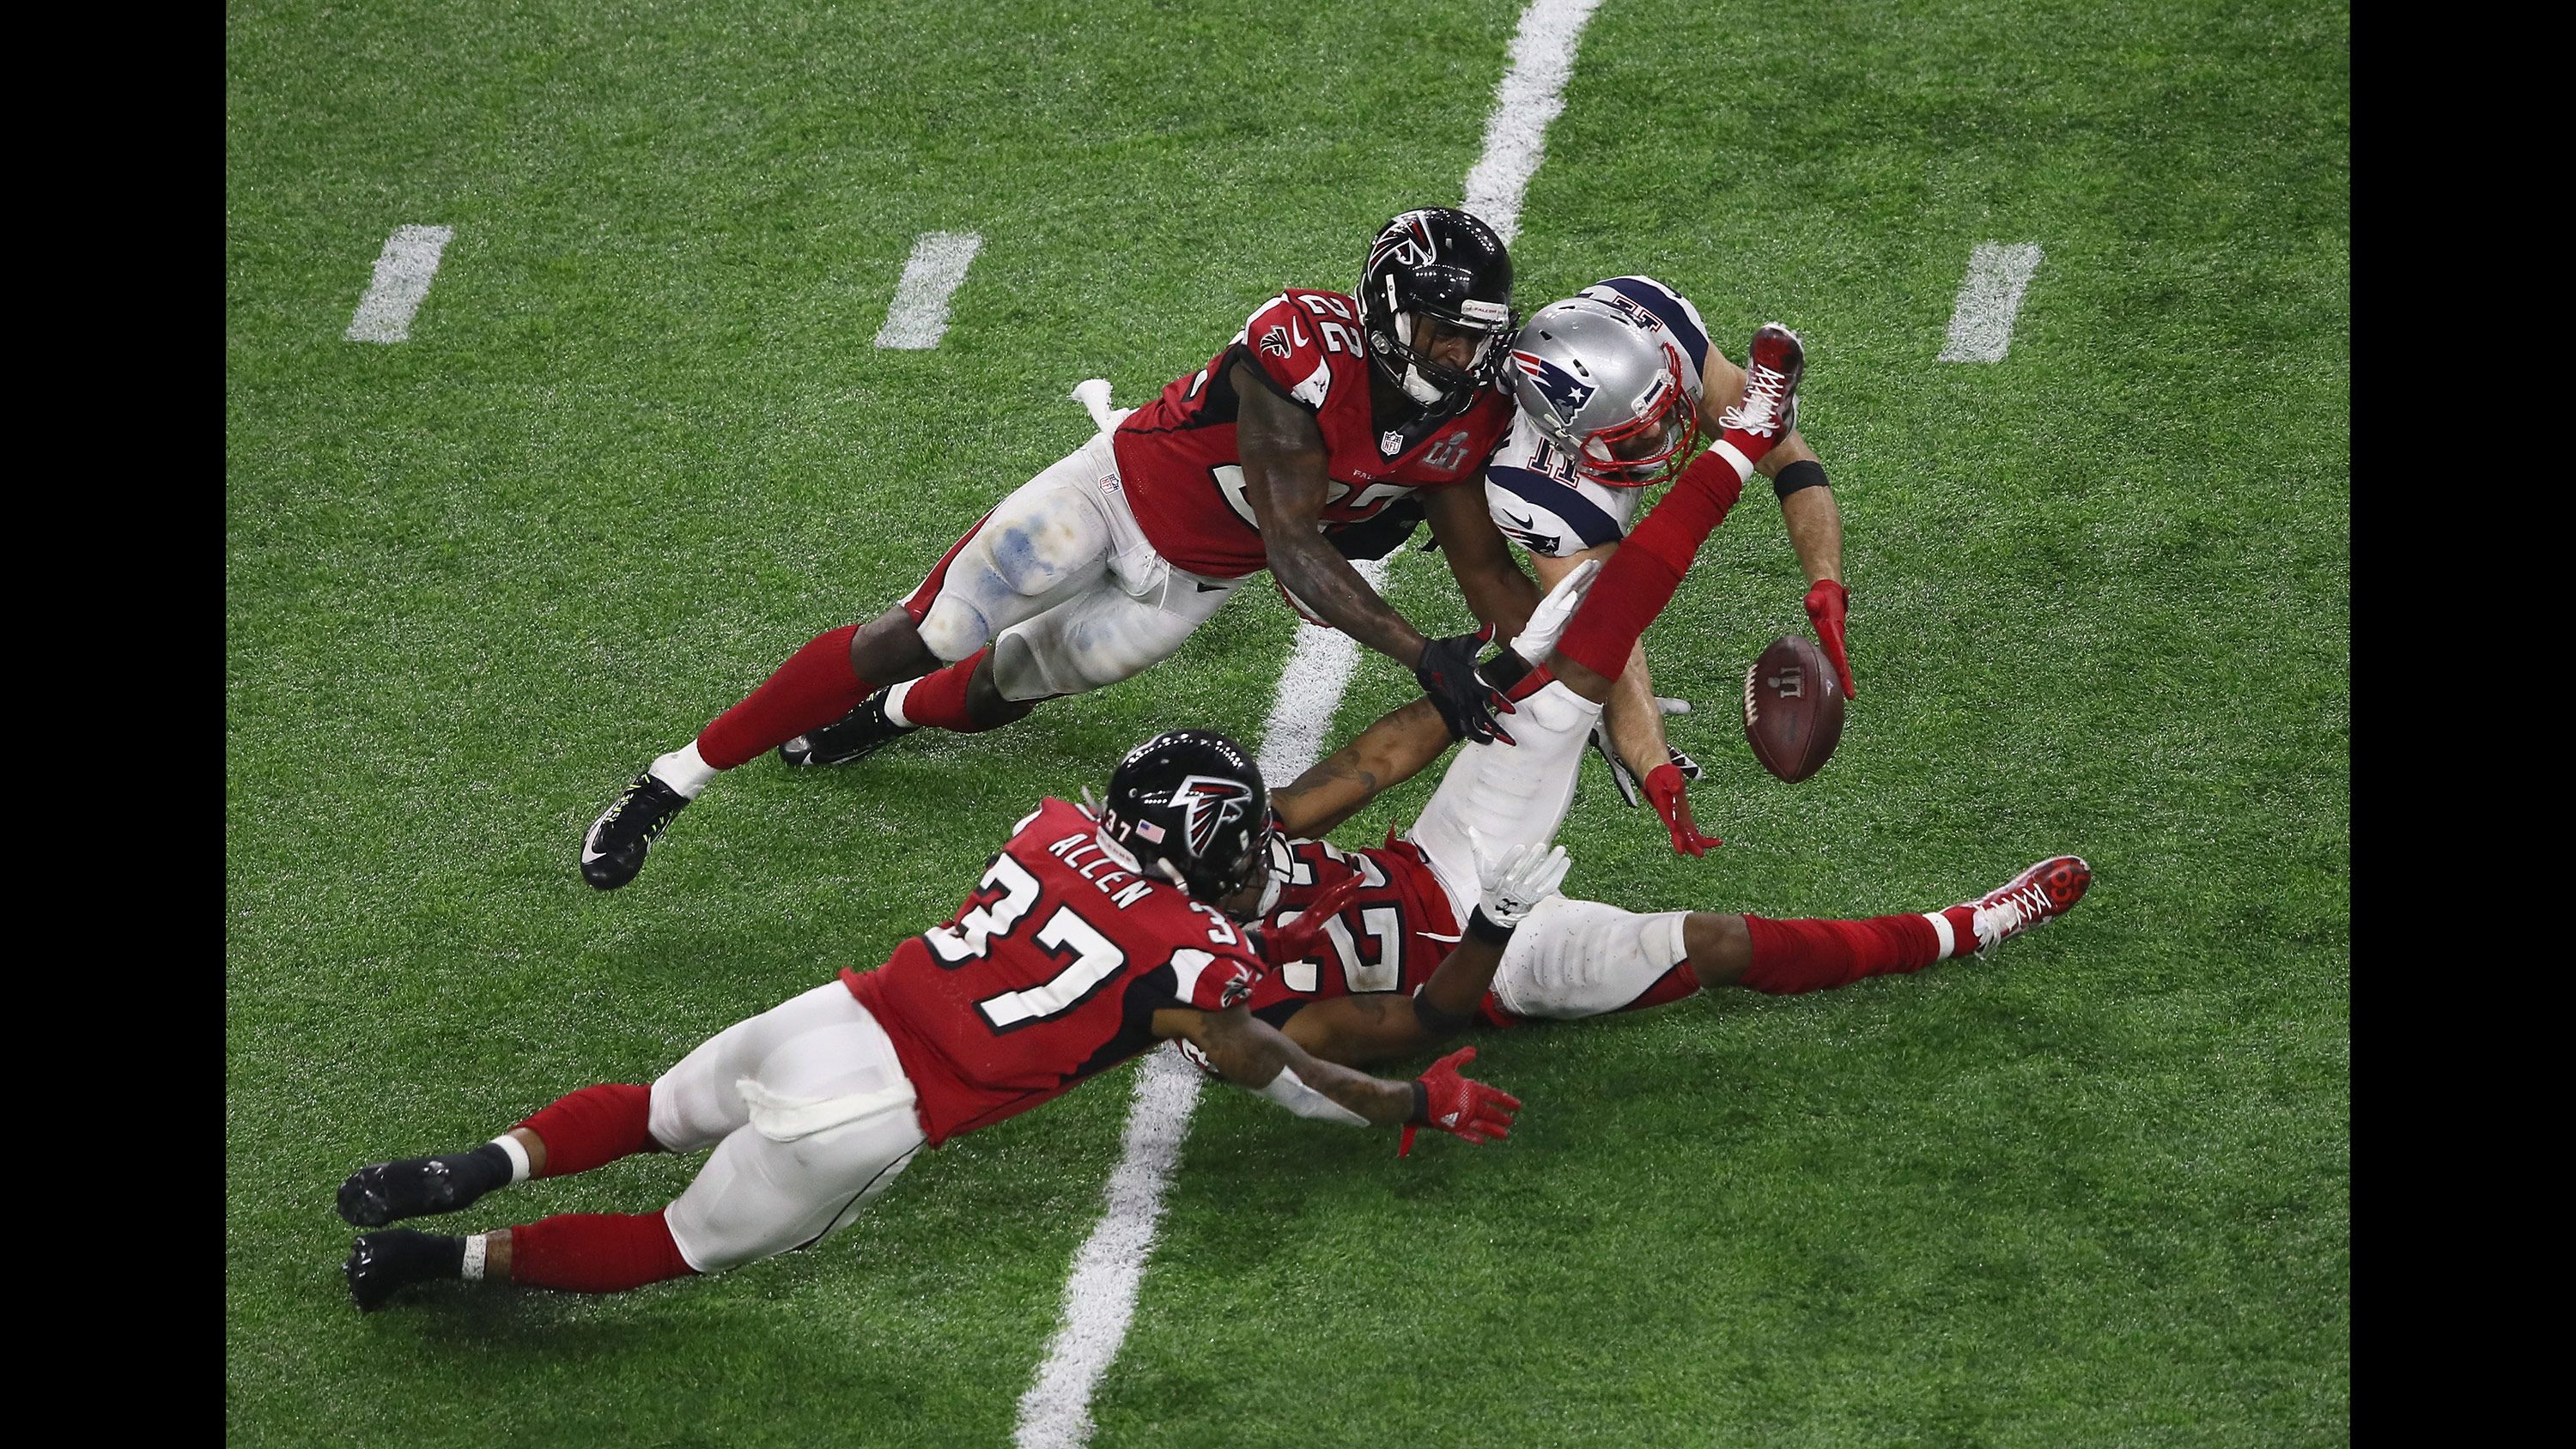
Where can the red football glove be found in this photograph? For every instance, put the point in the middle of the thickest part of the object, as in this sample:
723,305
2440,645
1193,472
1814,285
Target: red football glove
1456,1105
1671,794
1827,603
1296,940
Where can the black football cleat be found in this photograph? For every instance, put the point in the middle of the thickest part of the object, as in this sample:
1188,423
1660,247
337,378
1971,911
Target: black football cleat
381,1264
1630,788
416,1186
854,736
613,851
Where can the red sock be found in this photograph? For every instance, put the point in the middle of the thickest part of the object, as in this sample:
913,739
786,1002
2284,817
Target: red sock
1641,577
938,700
1794,956
594,1126
595,1252
813,688
1670,987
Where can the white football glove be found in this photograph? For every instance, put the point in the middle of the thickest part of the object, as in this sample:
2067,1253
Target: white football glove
1546,622
1512,880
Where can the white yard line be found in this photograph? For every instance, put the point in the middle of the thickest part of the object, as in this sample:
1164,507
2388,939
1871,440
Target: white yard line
919,316
403,274
1981,327
1531,95
1100,1296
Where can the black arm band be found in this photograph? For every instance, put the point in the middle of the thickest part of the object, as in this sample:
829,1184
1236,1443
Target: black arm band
1421,1103
1484,928
1805,473
1438,1022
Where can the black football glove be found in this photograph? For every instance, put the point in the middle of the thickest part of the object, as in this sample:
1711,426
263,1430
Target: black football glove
1447,673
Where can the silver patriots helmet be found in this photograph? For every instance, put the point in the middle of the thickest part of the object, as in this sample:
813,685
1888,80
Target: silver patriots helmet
1605,391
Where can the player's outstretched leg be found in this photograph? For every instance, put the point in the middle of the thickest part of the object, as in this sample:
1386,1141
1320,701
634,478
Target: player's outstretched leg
1641,577
570,1252
961,699
1583,958
820,683
579,1131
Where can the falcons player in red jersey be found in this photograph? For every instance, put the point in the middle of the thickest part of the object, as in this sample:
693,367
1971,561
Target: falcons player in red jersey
1087,939
1321,413
1389,982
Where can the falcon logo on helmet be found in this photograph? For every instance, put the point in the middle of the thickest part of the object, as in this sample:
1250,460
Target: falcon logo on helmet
1407,239
1208,803
1191,807
1563,390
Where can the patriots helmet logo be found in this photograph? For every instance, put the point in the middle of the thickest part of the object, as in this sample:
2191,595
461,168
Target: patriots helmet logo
1563,390
1209,802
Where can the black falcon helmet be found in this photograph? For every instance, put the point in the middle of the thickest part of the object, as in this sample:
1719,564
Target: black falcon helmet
1190,805
1437,262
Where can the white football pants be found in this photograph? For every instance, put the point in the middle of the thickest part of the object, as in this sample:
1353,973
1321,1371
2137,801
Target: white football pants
1570,958
1060,580
810,1116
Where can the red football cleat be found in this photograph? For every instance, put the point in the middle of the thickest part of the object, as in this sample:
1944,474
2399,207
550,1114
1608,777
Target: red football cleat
2035,897
1769,408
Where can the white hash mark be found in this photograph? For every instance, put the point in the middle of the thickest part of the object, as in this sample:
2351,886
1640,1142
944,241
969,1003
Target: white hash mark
1981,327
403,274
919,316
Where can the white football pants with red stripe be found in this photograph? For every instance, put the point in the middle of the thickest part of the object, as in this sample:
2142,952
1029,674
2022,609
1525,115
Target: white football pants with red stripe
1571,957
810,1116
1061,582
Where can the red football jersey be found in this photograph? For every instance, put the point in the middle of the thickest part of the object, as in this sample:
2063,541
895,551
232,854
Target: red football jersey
1391,937
1051,971
1184,477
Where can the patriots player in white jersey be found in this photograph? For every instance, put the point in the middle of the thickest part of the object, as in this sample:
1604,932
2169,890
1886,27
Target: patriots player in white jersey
1616,385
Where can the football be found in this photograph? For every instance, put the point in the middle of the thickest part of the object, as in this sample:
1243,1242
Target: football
1793,709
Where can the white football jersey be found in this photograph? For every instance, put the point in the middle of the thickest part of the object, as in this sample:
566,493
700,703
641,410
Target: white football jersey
1532,489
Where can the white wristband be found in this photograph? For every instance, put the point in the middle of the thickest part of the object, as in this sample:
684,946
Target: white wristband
517,1151
1291,1092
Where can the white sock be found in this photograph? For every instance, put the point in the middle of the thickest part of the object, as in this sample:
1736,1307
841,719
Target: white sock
684,770
517,1152
1949,938
475,1248
894,703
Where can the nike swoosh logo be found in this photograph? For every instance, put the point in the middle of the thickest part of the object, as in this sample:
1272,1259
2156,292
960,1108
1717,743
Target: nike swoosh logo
1517,520
1298,332
1211,588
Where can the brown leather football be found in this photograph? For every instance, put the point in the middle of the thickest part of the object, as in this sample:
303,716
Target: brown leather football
1793,708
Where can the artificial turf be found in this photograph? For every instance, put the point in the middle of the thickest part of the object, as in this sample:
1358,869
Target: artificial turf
639,448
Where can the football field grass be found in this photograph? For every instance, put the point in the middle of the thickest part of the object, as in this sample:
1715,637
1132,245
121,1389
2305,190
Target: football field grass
639,448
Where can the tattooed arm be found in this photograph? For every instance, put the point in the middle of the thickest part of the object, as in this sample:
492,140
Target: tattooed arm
1386,754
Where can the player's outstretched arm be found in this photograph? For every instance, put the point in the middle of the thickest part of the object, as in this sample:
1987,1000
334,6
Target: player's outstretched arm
1807,506
1248,1052
1284,479
1512,881
1493,585
1398,746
